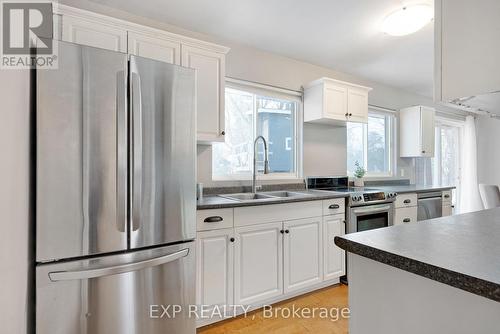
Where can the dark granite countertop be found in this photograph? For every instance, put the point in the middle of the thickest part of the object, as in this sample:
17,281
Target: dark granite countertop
413,188
216,202
462,251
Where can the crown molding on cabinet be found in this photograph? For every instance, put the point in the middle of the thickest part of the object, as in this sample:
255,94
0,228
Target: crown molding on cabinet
153,32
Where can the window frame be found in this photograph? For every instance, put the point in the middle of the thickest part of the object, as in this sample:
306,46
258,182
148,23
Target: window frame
437,166
257,89
390,135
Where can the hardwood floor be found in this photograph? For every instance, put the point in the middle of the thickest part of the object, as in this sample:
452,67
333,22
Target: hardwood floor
334,297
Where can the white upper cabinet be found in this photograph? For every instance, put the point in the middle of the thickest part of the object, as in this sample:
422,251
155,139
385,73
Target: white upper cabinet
154,47
208,59
417,132
335,102
210,76
96,33
467,48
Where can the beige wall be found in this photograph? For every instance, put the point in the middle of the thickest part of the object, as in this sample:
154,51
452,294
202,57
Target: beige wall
324,148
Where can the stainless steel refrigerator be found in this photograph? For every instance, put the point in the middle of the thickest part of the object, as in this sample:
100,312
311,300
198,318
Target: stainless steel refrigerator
115,194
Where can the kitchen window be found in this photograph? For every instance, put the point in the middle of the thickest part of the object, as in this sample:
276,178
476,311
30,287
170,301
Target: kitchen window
371,144
251,111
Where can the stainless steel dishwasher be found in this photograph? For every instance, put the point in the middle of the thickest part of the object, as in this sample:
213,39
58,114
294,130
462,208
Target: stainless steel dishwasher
430,205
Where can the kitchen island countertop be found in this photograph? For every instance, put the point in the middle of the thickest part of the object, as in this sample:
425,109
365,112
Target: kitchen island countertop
462,251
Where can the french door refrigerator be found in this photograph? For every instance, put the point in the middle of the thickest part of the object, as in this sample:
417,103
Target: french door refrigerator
115,194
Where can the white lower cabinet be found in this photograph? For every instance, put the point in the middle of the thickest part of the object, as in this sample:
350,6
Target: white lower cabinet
405,215
302,253
267,253
215,260
258,263
333,256
447,209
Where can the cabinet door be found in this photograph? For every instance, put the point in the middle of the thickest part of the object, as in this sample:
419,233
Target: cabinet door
357,105
154,47
214,267
210,72
428,129
335,104
93,33
302,252
258,265
405,215
447,209
334,256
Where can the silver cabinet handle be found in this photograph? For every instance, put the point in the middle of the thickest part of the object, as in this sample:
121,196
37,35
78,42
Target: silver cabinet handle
406,220
136,114
334,206
213,219
120,269
446,196
407,201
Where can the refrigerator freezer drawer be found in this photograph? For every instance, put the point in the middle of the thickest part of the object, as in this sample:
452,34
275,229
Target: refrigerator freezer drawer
118,294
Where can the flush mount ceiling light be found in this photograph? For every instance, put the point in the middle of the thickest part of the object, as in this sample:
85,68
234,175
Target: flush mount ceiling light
407,20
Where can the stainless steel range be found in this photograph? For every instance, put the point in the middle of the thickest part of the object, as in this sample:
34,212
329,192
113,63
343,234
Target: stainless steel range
367,208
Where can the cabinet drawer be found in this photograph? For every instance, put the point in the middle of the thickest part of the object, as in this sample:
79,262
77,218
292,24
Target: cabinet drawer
447,197
251,215
214,219
405,215
333,206
405,200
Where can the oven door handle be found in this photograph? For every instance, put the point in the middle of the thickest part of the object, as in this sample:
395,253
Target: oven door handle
362,211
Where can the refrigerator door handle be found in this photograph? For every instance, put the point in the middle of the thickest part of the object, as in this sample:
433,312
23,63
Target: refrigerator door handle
120,269
136,147
121,141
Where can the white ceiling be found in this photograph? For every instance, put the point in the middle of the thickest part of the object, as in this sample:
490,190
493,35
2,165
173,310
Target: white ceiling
341,34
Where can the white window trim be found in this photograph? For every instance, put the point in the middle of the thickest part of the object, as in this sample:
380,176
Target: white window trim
392,145
281,93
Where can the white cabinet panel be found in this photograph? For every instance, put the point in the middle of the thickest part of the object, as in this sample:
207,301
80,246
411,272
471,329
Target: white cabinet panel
417,132
258,266
251,215
335,101
357,101
334,256
94,33
210,76
405,215
333,206
447,196
428,131
406,200
214,219
303,255
214,271
154,47
447,209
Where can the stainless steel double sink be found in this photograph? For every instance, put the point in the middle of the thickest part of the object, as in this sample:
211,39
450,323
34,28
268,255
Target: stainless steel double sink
265,196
